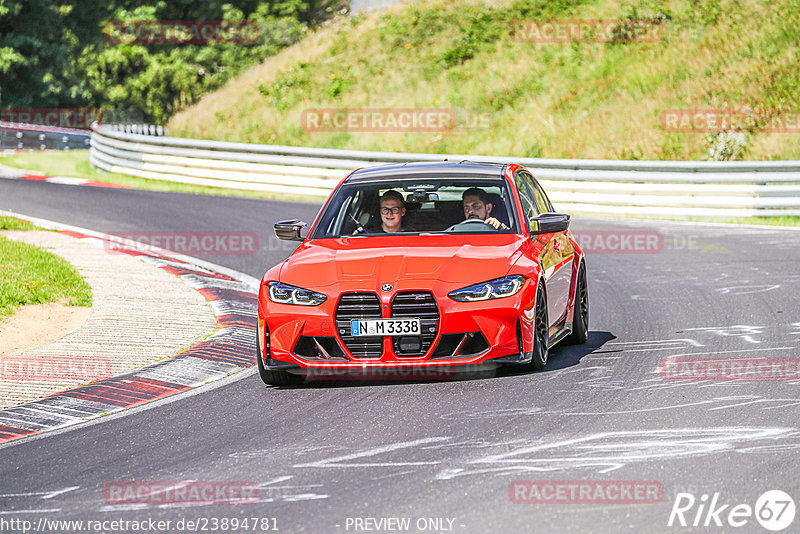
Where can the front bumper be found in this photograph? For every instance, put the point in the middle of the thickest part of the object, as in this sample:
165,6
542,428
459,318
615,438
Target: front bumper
299,338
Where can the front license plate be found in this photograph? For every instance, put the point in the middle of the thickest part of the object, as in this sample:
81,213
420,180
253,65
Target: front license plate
385,327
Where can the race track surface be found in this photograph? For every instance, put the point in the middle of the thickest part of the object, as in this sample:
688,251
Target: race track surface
330,457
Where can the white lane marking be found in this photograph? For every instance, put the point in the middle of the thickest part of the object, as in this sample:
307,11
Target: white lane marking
491,414
275,480
746,290
728,351
744,331
752,400
44,494
334,462
44,511
789,447
59,492
658,342
638,410
304,497
608,451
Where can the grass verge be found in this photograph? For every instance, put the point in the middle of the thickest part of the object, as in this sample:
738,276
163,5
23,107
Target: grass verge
75,163
31,275
12,223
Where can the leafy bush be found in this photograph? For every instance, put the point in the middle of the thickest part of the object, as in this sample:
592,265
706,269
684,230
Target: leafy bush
724,146
288,85
63,55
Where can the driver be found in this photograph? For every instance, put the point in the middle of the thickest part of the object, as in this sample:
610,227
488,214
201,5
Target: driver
477,206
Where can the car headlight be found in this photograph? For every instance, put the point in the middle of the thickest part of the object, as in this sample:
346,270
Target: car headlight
286,294
493,289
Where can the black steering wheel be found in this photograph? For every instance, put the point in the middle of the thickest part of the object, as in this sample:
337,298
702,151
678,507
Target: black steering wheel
472,225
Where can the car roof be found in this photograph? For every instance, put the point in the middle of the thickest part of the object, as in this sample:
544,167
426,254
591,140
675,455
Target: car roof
428,169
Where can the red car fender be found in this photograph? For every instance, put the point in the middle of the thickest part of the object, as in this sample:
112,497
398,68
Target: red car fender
579,259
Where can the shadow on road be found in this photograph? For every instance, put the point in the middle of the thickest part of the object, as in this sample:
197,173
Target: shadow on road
561,357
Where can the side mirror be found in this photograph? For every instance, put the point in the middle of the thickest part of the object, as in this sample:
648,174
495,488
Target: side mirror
289,229
550,223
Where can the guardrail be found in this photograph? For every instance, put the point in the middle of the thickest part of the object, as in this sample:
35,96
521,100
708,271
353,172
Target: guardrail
662,188
18,136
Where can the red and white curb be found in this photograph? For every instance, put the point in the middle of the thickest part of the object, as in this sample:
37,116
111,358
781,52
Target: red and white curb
229,350
10,173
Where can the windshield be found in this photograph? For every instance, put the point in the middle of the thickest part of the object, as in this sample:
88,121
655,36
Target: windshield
418,206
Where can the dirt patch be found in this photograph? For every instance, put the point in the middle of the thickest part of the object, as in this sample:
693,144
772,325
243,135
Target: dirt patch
37,325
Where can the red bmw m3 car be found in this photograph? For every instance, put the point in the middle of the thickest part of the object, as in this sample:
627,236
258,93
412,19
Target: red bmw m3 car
424,265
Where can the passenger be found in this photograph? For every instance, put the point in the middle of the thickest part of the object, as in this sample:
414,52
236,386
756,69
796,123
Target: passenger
477,206
392,212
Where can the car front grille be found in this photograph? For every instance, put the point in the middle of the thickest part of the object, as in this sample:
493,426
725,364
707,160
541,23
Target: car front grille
359,306
420,304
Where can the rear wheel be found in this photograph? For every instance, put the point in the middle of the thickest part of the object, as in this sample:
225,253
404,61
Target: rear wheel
540,333
277,377
580,321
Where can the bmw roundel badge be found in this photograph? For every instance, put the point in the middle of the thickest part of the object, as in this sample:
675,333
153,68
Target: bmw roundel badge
386,287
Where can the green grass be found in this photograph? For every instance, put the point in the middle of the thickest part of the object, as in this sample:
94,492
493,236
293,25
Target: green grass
784,220
75,163
567,100
12,223
30,275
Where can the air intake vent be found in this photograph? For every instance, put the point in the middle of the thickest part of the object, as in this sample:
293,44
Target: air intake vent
359,306
416,304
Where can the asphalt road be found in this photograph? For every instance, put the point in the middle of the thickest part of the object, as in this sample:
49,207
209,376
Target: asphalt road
347,457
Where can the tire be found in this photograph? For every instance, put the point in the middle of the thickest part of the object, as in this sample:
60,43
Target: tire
580,321
274,378
540,334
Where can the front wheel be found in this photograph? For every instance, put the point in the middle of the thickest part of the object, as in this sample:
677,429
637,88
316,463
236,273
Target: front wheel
540,334
274,378
580,321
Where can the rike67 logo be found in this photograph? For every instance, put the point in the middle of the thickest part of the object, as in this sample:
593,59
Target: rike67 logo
774,510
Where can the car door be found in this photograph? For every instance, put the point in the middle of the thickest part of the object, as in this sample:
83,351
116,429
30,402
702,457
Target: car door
557,255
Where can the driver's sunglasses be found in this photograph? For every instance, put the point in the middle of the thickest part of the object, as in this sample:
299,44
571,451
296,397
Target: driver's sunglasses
393,211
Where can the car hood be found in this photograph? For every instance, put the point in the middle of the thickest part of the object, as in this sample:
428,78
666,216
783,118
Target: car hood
461,259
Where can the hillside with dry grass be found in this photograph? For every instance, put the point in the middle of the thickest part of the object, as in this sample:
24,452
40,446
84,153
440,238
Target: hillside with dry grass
607,96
